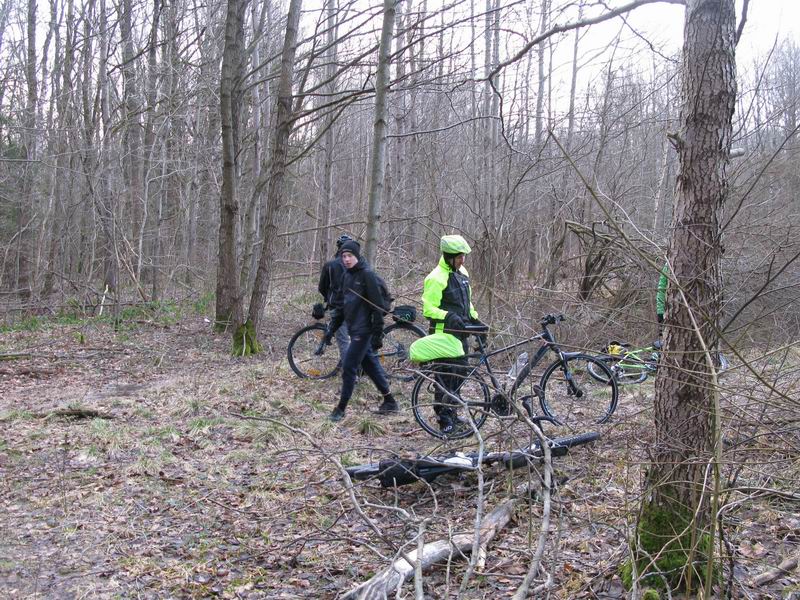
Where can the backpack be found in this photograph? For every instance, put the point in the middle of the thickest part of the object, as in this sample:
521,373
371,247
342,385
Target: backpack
386,295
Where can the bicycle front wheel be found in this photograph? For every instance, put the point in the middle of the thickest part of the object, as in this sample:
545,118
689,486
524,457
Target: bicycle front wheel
429,399
576,398
303,357
397,339
624,373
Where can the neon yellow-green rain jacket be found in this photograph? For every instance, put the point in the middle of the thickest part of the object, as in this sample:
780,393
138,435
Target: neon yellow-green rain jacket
447,291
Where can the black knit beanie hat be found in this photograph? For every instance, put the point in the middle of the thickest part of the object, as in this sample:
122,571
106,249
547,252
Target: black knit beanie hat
353,247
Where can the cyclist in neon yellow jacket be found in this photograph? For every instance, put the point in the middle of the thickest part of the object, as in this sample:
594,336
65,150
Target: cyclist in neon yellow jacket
447,303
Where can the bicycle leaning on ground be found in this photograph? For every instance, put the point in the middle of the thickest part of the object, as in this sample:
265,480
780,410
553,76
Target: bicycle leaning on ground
394,472
633,365
309,357
566,392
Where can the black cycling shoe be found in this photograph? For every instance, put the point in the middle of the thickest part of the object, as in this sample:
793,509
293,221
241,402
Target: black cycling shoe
337,415
388,408
451,425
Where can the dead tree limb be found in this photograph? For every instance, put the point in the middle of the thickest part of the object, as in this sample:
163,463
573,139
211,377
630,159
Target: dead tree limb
390,579
786,567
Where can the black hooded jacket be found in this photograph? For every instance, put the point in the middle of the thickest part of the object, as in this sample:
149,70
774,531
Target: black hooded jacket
361,302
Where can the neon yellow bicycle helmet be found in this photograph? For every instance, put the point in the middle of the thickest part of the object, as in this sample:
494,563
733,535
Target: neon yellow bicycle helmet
454,244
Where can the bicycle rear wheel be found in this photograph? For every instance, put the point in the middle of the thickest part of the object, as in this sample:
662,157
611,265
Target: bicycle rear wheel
473,394
302,358
625,374
570,394
397,338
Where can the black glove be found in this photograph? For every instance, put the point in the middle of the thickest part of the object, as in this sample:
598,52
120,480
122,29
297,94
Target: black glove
376,341
478,322
318,311
454,324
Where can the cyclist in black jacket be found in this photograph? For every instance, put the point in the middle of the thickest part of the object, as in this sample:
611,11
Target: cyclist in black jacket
330,286
362,311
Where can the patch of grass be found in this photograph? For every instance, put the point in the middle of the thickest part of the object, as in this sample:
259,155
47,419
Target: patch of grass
28,323
158,435
201,425
318,405
109,435
370,427
326,426
348,459
143,411
15,415
202,305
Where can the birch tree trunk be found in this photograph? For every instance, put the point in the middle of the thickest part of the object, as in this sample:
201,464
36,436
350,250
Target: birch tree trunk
676,512
378,166
245,336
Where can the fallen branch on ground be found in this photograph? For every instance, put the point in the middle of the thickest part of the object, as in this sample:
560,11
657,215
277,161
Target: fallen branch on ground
392,577
786,567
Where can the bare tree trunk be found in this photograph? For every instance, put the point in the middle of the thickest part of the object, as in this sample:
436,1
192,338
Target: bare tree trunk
676,509
229,301
25,213
133,134
326,197
245,336
378,167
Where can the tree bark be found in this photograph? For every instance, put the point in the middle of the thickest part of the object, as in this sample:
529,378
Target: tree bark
25,212
245,335
677,509
378,167
229,301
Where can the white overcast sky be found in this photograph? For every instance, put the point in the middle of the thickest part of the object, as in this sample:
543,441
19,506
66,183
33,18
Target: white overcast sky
766,20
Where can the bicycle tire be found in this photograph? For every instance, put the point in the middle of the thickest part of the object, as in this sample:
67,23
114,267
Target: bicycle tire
623,375
571,441
558,447
423,405
557,400
393,356
302,359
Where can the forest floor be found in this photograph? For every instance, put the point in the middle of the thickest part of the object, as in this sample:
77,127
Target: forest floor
176,488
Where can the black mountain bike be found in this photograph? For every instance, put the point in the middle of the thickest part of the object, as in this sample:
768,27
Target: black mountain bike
395,472
310,358
566,391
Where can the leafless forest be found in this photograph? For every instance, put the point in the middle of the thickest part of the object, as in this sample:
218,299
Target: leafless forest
173,173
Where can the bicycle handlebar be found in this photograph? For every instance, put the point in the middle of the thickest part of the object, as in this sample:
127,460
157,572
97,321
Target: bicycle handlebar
476,328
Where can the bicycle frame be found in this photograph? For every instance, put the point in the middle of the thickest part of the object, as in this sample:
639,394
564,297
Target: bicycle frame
633,359
548,343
